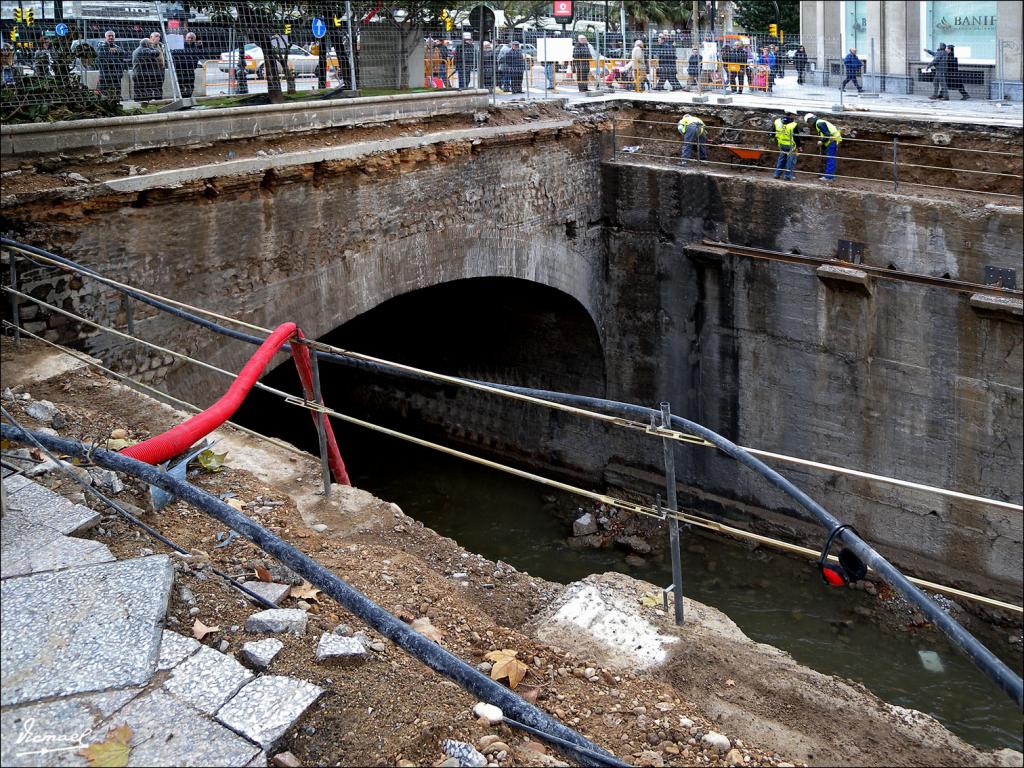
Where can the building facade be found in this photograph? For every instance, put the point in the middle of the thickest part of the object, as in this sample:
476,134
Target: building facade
893,38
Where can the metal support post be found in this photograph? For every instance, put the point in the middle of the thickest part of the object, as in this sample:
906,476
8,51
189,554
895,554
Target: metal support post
320,417
129,315
613,140
15,314
673,523
352,86
895,167
178,102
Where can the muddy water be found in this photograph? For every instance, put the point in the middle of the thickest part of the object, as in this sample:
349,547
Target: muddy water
774,599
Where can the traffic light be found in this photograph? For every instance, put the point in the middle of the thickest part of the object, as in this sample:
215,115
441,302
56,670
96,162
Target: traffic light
337,21
17,15
30,16
773,30
14,35
287,29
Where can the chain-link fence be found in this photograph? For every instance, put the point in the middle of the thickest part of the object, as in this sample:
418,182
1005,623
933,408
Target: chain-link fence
107,58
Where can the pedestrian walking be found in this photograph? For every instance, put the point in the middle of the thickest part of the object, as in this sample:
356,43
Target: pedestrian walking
638,60
465,59
112,61
666,71
487,66
582,53
953,77
853,66
515,66
785,136
692,130
693,66
800,64
186,61
940,69
829,139
147,74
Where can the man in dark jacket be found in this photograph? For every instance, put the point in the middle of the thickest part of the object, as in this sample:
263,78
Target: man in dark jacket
111,60
581,56
940,67
147,74
665,53
800,64
186,61
465,59
515,65
953,78
693,67
853,66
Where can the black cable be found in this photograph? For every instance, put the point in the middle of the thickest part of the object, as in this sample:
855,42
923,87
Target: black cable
130,517
980,656
431,654
600,759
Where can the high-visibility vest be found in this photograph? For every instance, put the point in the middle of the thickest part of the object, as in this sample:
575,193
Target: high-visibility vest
685,123
830,131
784,133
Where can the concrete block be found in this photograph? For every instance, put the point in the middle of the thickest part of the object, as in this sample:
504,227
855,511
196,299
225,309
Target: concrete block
338,648
85,629
261,653
167,732
1006,306
267,707
42,506
268,590
277,620
207,679
844,276
58,554
174,649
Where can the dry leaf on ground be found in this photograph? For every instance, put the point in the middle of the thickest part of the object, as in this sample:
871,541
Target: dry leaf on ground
425,627
200,630
305,591
507,665
113,751
237,504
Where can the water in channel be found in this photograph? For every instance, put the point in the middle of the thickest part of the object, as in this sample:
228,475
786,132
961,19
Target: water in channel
773,598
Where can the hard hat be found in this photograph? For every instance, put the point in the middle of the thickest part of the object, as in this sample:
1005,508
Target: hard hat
810,117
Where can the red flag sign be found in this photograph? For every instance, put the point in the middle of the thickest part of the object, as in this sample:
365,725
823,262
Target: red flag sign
562,10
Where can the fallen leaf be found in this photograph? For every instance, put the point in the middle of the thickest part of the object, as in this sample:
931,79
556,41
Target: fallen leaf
263,574
200,630
237,504
507,665
730,683
425,627
116,444
210,461
650,599
304,591
113,751
531,695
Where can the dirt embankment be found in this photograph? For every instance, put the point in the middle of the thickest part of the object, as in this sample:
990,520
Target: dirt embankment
391,709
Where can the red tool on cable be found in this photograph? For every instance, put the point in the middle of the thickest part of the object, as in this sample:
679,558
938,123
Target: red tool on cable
178,439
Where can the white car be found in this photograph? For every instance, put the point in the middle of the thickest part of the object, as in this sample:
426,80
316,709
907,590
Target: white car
300,61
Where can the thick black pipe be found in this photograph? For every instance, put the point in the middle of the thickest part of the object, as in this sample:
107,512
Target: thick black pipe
986,661
431,654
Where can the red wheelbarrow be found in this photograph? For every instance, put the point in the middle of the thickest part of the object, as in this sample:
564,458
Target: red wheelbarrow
743,155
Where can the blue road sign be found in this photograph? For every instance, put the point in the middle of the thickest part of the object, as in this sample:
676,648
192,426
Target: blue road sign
319,28
61,29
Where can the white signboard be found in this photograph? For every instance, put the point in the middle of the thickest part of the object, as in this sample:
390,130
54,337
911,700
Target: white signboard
554,49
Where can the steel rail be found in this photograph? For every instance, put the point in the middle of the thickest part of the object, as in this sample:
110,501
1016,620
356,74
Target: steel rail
961,286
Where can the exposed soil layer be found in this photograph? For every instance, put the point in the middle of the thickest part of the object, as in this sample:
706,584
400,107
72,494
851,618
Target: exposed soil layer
391,708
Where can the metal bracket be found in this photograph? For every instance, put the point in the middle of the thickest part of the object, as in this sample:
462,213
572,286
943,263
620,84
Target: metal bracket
1003,277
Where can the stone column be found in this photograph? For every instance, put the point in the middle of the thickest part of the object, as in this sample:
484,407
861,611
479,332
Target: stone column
895,54
819,34
1008,29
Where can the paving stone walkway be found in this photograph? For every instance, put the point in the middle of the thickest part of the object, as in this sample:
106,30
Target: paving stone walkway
84,650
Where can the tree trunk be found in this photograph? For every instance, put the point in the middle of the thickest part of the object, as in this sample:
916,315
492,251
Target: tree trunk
262,39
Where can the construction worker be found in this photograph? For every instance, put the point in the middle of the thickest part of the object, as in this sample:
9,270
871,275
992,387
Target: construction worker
785,135
692,130
830,138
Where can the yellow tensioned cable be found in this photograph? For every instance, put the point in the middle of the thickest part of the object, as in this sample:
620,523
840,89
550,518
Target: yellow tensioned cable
657,513
616,421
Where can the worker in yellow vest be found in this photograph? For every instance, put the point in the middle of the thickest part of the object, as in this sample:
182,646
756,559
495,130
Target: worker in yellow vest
830,138
692,130
786,137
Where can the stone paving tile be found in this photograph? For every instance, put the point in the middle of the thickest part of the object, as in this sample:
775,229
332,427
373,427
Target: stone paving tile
33,727
14,484
277,620
19,536
85,629
174,649
41,505
261,653
207,679
167,732
267,707
268,590
63,552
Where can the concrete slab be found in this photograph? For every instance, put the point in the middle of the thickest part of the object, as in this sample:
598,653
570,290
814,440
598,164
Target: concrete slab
277,620
85,629
267,707
207,679
58,554
268,590
167,732
261,653
15,483
42,506
26,731
174,649
337,648
1006,305
837,274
